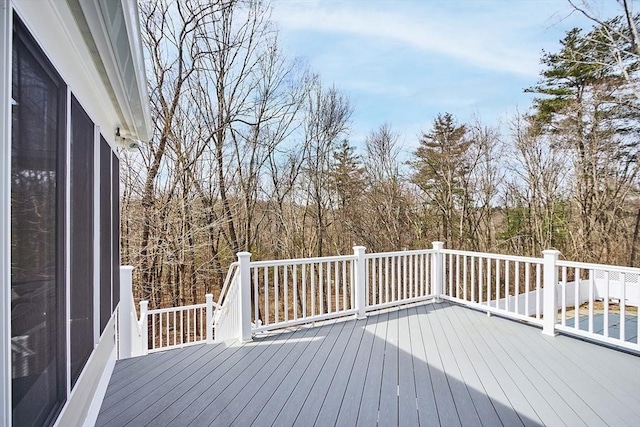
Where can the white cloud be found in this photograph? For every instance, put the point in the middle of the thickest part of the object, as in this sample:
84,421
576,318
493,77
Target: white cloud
482,38
403,61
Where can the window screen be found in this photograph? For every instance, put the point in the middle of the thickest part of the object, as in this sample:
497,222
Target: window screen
81,239
37,234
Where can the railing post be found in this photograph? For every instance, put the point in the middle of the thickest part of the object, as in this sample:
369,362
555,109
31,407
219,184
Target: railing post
244,259
209,319
360,282
144,329
436,270
125,315
549,302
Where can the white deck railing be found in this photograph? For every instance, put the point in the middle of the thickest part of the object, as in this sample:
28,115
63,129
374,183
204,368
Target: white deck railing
599,301
502,284
393,278
226,318
260,296
176,327
291,292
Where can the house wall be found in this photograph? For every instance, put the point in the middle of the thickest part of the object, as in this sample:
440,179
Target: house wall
52,25
85,399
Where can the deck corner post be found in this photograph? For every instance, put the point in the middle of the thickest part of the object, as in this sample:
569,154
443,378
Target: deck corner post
244,292
126,314
437,270
360,285
209,318
144,330
550,280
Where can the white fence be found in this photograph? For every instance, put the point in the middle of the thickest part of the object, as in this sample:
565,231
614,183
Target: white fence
291,292
266,295
502,284
607,299
394,278
226,319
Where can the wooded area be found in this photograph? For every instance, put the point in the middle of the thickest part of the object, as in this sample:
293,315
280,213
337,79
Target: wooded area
251,151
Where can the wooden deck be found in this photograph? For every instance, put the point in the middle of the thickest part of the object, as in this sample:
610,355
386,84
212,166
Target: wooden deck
428,364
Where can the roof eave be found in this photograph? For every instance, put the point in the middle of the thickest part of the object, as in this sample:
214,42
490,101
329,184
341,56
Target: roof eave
122,60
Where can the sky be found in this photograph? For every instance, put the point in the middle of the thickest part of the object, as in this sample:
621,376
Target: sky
403,62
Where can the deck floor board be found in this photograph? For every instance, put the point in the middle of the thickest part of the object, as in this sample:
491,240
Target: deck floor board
350,404
246,410
370,402
332,402
490,384
426,364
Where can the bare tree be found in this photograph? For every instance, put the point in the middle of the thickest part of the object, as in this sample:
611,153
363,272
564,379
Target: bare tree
326,121
386,222
535,198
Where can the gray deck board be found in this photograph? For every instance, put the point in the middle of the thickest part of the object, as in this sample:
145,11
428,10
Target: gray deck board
176,379
369,404
484,407
243,383
166,396
332,402
350,405
512,365
245,413
490,385
444,399
617,384
196,398
552,408
289,412
282,392
461,396
389,386
553,370
427,364
407,394
425,397
322,386
129,385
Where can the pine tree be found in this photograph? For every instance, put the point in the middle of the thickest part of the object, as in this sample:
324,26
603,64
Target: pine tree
347,174
347,177
439,168
586,104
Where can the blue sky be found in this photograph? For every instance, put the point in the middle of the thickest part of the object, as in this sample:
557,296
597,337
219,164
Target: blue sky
404,61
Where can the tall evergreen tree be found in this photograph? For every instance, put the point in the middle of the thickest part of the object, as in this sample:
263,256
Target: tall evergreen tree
347,177
587,105
438,170
347,174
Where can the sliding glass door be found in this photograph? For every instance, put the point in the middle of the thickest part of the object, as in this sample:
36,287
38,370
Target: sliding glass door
37,234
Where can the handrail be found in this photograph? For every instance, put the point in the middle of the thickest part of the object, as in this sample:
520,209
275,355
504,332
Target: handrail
590,266
398,253
281,262
176,308
233,268
501,257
